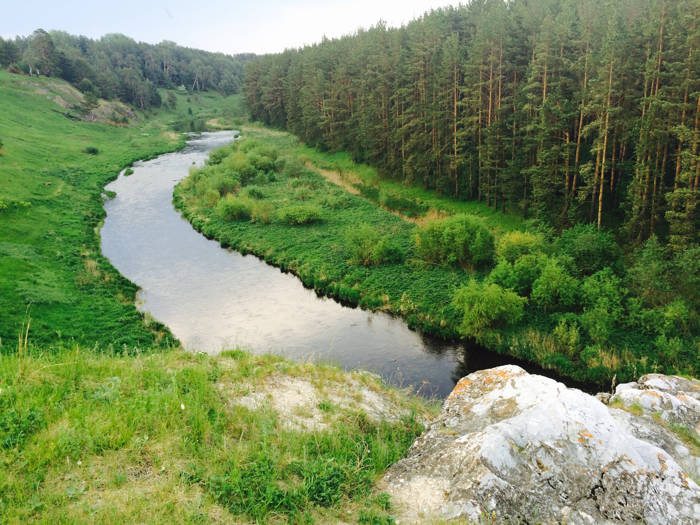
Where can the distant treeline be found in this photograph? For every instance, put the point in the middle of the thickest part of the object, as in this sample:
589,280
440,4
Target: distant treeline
115,66
567,110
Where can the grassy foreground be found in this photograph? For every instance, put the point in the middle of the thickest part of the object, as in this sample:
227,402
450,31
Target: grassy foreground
90,437
564,302
53,168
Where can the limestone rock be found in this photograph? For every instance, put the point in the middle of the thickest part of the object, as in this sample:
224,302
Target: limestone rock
674,399
511,447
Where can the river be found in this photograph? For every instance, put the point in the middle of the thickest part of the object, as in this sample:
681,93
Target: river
212,298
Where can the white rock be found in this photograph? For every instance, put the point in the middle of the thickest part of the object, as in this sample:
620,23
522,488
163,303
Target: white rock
514,447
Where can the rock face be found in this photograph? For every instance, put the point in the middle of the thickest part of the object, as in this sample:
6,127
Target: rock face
512,447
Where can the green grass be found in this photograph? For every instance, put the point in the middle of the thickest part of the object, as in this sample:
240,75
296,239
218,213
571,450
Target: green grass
433,201
357,243
52,172
94,437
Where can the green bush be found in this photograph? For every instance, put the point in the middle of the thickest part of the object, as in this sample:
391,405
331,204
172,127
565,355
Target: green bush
262,212
299,214
223,182
408,207
602,298
254,192
649,276
555,289
293,168
519,276
91,150
484,306
513,245
128,171
232,208
368,247
590,249
458,240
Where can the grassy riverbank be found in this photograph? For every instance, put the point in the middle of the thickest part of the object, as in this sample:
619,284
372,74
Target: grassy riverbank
171,437
53,168
563,302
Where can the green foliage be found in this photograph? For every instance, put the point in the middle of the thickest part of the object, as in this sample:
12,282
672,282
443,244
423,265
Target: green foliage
649,275
602,297
232,208
555,289
458,240
72,418
128,171
299,214
367,246
91,150
513,245
590,249
486,306
519,276
403,205
116,66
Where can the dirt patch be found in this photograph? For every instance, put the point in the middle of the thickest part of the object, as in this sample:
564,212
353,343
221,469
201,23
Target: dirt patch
306,405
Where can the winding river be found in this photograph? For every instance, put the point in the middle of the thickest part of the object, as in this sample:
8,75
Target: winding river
213,298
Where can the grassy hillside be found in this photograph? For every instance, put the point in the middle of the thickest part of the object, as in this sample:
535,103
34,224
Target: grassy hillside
53,166
173,437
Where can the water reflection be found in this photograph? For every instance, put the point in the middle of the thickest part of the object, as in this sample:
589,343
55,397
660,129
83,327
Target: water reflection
212,298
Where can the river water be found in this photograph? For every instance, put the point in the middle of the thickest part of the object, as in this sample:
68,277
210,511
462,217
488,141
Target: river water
212,298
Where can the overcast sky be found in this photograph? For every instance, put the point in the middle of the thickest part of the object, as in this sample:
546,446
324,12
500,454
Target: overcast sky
230,26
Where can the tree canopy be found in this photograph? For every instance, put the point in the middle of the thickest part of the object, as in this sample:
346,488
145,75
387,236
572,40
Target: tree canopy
116,66
566,110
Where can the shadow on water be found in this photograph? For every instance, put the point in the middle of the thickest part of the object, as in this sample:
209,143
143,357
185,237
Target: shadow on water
213,298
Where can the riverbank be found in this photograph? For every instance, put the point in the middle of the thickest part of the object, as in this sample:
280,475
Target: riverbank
350,234
87,436
54,165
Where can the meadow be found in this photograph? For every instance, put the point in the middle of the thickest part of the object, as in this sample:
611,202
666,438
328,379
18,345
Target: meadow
95,437
53,168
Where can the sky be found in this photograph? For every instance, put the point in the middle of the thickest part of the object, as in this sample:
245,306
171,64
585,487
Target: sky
229,26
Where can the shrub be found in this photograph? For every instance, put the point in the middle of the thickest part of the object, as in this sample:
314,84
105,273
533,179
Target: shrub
254,192
458,240
91,150
403,205
223,182
211,198
602,296
519,276
555,288
485,306
686,276
299,214
293,168
513,245
262,212
649,276
128,171
232,208
368,191
368,247
591,249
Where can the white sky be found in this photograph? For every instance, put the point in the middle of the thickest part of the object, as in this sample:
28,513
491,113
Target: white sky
230,26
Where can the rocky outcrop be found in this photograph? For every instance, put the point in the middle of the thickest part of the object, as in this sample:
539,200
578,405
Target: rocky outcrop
512,447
